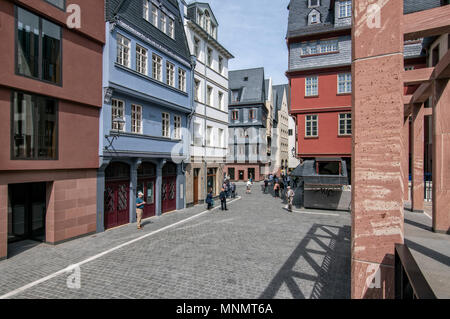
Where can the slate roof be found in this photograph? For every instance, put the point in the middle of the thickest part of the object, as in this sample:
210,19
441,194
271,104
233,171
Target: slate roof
266,86
275,101
280,91
203,6
252,90
298,15
131,12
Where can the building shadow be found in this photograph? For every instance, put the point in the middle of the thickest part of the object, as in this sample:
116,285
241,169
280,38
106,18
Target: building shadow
443,259
318,268
418,225
19,247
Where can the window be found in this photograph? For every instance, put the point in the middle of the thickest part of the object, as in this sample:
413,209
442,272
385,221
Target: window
136,119
177,127
345,124
235,115
209,131
123,51
221,138
315,18
155,12
197,90
198,134
163,26
345,83
157,67
290,132
252,114
209,57
118,111
165,125
146,10
220,65
58,3
171,28
38,47
170,74
34,127
345,9
197,47
328,46
235,95
141,60
312,126
312,86
313,3
409,68
182,80
209,96
221,106
214,31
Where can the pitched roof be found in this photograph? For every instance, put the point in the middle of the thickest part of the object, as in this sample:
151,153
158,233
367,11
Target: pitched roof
299,11
251,84
203,6
280,91
132,12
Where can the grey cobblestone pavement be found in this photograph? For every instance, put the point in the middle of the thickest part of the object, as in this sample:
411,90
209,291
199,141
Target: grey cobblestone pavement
255,250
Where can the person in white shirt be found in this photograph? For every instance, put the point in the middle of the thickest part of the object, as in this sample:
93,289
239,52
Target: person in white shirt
249,187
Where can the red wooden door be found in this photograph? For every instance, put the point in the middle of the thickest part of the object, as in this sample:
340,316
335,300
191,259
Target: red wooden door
147,186
117,203
169,194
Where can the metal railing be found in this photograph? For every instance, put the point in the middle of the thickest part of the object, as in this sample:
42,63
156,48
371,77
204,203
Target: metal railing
409,280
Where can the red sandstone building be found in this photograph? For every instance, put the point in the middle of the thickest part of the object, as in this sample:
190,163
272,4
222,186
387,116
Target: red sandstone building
50,100
319,42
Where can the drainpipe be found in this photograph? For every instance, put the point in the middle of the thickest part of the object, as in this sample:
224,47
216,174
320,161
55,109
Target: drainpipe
206,117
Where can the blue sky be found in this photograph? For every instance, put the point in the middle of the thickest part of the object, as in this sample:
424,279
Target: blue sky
254,32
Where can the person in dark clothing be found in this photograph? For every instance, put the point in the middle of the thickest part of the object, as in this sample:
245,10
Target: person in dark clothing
233,190
266,183
223,199
281,189
209,199
276,188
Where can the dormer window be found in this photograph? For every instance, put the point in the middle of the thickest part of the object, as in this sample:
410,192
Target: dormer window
314,17
345,9
235,95
313,3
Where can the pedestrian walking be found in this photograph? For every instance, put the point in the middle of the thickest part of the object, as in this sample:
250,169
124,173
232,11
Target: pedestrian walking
281,189
209,199
276,188
233,190
223,200
266,183
290,197
139,209
249,187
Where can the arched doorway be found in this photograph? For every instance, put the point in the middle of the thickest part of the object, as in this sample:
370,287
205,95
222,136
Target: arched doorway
169,188
146,184
117,194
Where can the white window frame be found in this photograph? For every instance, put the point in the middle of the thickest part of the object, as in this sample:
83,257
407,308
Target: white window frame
312,88
141,59
136,119
170,74
311,119
177,127
345,9
346,117
156,67
123,50
346,80
171,28
117,111
221,137
209,135
182,79
165,124
220,64
163,22
146,10
155,15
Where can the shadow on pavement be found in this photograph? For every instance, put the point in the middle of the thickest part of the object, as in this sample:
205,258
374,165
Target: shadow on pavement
17,248
302,272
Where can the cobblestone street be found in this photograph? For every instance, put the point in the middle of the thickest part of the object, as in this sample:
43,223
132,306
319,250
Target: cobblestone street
255,250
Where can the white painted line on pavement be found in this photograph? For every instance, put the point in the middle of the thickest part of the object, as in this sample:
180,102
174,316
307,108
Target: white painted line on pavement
428,216
72,267
313,213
